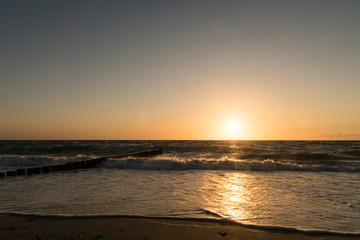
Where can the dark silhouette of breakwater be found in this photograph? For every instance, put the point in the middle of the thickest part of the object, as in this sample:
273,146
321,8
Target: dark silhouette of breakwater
91,163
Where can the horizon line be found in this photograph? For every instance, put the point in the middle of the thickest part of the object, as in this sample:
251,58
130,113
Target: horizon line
179,139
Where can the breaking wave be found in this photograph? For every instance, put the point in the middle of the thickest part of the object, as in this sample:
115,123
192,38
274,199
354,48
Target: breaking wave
228,164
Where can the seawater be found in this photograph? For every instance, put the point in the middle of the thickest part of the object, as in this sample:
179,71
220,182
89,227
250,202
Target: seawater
300,185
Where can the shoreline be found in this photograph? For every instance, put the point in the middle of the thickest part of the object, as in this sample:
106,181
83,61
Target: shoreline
16,226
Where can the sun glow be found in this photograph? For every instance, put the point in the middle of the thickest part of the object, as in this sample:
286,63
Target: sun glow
232,126
233,129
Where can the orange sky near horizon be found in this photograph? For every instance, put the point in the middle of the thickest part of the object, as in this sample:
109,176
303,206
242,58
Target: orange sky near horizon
180,70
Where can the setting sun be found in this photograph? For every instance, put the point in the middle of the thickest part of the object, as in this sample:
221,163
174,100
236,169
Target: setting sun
233,129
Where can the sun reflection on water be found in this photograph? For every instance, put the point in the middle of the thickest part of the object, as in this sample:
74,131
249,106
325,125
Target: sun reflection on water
233,196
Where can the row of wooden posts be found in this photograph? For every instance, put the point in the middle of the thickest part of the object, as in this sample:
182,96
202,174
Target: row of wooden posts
91,163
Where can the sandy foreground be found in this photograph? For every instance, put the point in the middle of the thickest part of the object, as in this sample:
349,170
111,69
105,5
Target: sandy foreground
66,228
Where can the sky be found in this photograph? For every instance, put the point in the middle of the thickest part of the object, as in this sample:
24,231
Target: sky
258,70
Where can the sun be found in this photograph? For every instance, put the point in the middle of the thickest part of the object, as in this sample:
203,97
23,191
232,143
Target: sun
232,129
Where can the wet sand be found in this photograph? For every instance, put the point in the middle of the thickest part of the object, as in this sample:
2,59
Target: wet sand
66,228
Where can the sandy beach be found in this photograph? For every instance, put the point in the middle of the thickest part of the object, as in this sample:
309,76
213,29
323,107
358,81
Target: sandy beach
36,227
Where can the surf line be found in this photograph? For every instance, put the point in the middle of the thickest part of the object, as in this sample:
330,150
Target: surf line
91,163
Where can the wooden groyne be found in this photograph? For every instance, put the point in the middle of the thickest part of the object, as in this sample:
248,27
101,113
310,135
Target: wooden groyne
91,163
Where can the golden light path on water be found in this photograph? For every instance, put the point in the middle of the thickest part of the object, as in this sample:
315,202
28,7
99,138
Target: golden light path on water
233,195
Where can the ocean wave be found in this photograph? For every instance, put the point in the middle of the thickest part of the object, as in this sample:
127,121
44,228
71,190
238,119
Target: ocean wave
355,153
41,160
69,147
308,157
280,228
280,150
228,164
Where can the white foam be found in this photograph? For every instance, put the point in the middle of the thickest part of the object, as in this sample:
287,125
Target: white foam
174,163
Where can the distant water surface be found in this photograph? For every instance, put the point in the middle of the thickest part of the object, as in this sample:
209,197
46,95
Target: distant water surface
305,185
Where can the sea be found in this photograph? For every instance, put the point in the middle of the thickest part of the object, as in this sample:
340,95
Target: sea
308,186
